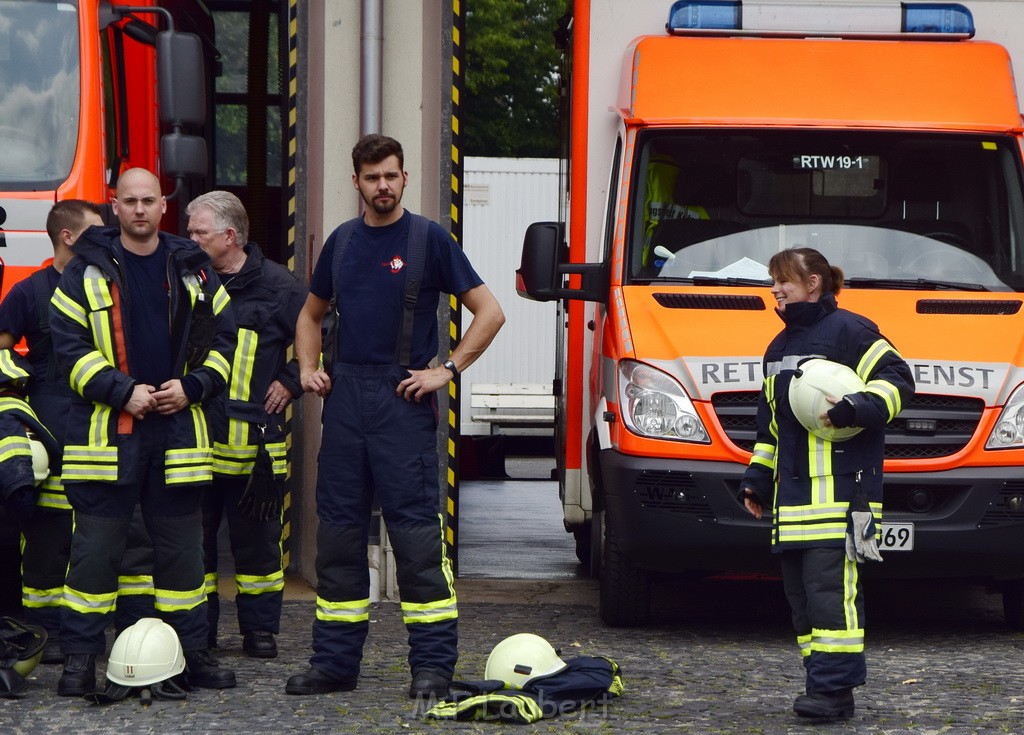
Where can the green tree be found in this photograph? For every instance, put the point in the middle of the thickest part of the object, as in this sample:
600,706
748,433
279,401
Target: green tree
511,78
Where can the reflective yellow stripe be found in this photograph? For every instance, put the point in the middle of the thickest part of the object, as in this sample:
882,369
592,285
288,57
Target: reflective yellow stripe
850,578
220,300
86,368
32,597
867,364
85,602
804,643
255,584
138,584
69,308
97,289
229,460
354,611
52,495
889,394
430,612
218,363
14,446
10,368
90,463
211,583
837,641
172,600
764,454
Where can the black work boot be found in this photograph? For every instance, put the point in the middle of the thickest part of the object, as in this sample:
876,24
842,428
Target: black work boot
79,675
259,644
316,681
204,671
837,705
429,683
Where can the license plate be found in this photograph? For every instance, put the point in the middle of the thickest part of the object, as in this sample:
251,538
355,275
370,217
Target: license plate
897,537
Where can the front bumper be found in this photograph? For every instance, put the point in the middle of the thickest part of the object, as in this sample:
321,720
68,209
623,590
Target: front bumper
682,515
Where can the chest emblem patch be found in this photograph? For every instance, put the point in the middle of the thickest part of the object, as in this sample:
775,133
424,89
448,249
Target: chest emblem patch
396,264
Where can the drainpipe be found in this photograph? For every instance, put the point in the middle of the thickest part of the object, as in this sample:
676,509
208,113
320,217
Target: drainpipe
381,559
371,53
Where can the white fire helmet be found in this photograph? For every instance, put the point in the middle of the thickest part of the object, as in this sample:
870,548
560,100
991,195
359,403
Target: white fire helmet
145,653
40,459
814,380
522,657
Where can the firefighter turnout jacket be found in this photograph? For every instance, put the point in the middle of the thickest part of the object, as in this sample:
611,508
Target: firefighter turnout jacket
811,479
266,299
16,418
584,682
90,322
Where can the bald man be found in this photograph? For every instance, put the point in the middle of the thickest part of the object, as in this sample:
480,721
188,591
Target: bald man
142,328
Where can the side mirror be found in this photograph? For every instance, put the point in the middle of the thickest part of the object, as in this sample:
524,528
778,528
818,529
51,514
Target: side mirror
181,79
545,262
544,250
182,156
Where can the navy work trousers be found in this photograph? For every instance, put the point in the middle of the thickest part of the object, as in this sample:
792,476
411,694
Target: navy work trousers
103,515
377,443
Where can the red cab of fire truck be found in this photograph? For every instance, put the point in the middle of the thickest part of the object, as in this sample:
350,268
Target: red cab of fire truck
89,89
883,135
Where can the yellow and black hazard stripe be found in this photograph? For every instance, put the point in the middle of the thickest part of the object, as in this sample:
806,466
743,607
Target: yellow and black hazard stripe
455,318
291,124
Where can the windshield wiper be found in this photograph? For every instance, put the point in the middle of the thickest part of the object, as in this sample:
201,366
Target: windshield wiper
914,284
727,281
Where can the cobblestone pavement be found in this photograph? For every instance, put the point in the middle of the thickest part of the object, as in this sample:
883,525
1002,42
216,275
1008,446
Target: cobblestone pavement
719,659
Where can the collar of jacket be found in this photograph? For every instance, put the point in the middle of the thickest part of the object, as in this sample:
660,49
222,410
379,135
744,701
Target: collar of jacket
251,269
101,245
804,313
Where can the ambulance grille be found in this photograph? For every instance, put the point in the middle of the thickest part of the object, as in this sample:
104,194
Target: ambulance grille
675,492
967,306
929,426
709,301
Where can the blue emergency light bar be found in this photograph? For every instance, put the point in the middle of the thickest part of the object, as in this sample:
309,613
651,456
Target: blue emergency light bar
881,19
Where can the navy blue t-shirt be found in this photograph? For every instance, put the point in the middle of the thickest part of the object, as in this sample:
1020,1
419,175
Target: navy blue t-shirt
20,318
373,288
149,328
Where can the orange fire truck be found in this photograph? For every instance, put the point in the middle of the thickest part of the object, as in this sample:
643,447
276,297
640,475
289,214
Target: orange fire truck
887,136
88,89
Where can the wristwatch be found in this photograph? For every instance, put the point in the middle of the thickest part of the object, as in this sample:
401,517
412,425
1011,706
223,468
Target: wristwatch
450,364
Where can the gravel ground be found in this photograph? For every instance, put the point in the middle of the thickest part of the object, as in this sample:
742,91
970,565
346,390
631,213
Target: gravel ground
719,659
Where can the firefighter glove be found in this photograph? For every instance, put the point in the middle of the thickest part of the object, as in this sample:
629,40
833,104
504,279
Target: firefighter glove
843,414
861,536
263,494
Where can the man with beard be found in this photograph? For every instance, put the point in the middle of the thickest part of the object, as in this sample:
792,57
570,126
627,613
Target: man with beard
386,271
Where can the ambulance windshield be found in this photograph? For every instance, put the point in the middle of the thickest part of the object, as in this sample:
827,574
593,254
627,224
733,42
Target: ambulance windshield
892,209
39,93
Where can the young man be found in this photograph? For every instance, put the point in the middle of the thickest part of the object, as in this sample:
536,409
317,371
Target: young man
141,326
46,536
380,421
266,299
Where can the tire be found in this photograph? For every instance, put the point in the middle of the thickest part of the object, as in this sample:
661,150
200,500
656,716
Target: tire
1013,603
625,596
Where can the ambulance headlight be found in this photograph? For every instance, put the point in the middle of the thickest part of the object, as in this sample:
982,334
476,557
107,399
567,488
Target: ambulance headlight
1009,429
653,404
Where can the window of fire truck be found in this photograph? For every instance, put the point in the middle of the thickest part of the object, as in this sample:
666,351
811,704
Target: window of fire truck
39,93
886,206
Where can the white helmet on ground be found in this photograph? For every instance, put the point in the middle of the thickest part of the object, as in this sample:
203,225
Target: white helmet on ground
814,380
145,653
522,657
